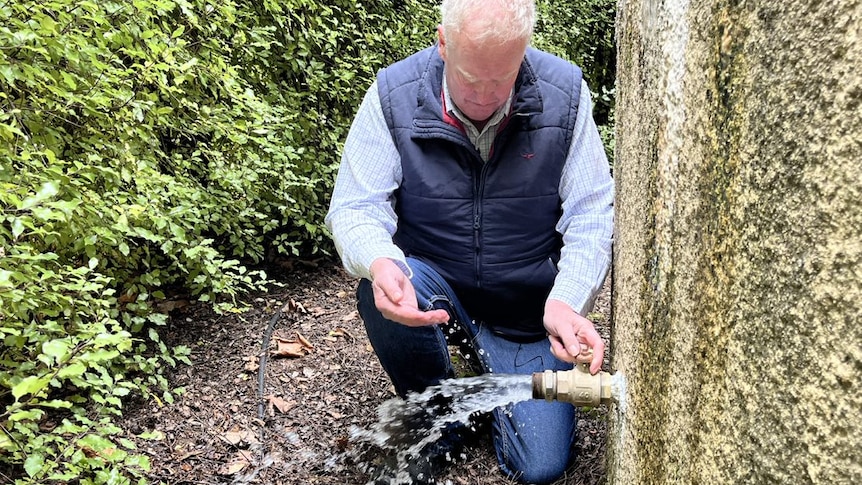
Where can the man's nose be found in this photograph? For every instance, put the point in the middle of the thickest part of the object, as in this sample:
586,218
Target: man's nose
486,94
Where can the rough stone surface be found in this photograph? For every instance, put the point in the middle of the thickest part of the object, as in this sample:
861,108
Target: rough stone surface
738,254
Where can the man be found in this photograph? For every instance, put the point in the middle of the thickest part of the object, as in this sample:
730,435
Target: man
474,191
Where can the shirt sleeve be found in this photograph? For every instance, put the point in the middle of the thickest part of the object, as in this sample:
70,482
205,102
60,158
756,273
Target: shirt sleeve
587,193
361,214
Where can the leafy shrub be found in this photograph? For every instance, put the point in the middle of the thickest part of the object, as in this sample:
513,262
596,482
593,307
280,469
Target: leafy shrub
314,61
582,31
147,148
156,148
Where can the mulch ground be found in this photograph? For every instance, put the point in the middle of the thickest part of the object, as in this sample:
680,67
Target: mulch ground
325,381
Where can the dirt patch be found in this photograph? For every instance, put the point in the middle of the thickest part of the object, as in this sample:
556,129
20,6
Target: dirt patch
213,432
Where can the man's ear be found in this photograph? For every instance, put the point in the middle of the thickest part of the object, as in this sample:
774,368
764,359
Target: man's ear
441,42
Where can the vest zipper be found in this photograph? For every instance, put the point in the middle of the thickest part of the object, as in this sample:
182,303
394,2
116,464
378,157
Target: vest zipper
477,220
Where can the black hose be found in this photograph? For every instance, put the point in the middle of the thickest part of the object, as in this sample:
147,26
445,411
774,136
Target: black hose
261,371
261,380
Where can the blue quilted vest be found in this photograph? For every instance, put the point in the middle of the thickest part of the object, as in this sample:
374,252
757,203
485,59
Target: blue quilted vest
487,228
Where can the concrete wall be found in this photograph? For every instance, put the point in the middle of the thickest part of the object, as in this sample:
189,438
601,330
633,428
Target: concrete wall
738,255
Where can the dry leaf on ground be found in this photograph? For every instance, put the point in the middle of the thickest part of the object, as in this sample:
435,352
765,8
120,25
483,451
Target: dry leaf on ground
341,332
297,346
282,405
237,436
238,463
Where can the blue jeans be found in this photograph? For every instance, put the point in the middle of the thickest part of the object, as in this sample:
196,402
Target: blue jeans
533,439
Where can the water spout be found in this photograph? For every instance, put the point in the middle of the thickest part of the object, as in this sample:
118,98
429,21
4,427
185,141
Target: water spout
579,387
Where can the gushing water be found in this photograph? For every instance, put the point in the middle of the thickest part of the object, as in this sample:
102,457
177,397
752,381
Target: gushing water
618,391
408,430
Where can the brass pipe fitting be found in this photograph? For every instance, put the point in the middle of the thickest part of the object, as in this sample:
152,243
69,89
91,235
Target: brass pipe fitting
576,386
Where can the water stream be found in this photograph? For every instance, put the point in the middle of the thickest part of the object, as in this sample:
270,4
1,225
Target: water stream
407,430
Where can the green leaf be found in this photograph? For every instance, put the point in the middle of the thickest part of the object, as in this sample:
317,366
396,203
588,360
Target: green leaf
101,355
140,461
28,414
34,464
17,227
179,233
48,190
105,448
154,435
49,154
127,444
6,278
7,72
29,385
75,369
56,404
5,443
188,65
58,349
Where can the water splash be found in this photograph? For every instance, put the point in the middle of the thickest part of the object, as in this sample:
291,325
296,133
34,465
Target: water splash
618,391
407,429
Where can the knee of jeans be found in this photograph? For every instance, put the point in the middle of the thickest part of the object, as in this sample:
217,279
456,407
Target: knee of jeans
536,469
534,459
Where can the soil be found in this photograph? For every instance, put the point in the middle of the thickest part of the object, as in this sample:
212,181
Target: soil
213,432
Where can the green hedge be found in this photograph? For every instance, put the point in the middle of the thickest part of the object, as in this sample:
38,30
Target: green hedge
155,148
582,31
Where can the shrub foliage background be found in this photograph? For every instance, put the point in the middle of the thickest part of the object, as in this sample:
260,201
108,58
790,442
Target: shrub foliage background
150,148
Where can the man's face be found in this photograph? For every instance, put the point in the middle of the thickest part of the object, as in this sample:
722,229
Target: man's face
479,77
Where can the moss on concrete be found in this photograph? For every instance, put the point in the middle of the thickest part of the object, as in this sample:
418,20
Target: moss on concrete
738,254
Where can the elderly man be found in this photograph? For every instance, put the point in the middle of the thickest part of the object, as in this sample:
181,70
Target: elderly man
474,192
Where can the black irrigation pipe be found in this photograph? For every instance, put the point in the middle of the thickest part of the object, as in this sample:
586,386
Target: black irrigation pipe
261,382
264,350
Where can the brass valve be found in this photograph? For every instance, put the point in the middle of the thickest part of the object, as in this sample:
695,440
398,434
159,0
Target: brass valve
576,386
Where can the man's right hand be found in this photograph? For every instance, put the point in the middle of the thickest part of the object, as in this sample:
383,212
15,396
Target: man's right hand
395,297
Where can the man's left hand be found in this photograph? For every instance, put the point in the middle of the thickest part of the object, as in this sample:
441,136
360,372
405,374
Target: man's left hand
573,337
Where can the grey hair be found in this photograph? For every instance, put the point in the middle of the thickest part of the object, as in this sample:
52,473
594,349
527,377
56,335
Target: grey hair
515,22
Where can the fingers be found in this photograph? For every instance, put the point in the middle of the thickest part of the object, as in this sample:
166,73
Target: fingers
395,297
573,337
590,348
421,318
409,315
598,355
585,356
389,285
559,350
